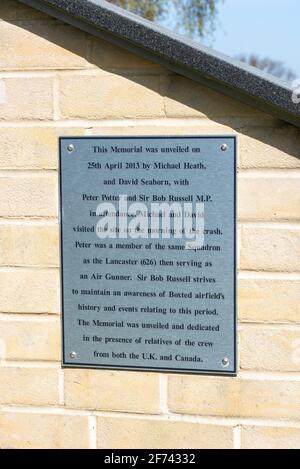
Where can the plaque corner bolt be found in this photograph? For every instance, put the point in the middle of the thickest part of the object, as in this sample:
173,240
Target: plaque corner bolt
70,148
225,362
224,147
73,355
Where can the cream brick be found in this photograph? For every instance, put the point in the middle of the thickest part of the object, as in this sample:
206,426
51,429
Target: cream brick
270,147
28,386
30,45
186,98
112,391
43,431
124,433
270,249
29,291
25,12
269,300
29,195
26,98
233,397
270,348
269,198
29,245
107,56
110,97
31,340
8,9
163,127
270,438
32,147
13,9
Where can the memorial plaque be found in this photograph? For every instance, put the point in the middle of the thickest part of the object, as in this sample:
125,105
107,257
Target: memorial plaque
148,252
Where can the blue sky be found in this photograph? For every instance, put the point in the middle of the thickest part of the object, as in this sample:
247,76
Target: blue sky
266,27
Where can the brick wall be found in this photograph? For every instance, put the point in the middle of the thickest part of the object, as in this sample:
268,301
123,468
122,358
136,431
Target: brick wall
54,81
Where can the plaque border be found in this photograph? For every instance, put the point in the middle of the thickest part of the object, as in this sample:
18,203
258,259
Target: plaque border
64,363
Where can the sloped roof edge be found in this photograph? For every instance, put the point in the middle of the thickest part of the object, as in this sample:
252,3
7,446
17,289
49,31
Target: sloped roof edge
186,57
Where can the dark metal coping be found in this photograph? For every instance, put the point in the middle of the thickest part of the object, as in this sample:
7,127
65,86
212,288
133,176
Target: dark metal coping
177,53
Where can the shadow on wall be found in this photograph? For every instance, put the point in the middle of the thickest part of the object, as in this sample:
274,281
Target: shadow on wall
182,97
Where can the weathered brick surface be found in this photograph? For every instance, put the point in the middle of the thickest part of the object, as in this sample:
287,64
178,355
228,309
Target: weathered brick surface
107,56
268,348
269,300
232,397
32,147
8,9
28,386
29,244
43,431
186,98
14,10
103,97
167,126
270,248
26,98
280,197
270,147
30,340
29,291
28,195
25,12
31,45
124,433
112,391
270,437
